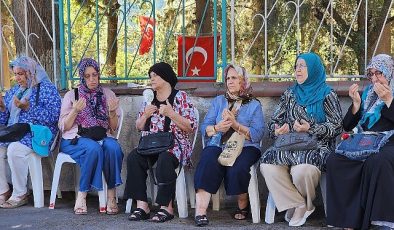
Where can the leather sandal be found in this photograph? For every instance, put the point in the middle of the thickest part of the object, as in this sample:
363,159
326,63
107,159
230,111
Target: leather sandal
112,206
162,216
138,214
5,196
201,220
80,207
14,203
244,212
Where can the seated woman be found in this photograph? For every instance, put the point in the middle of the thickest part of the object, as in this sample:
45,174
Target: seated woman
309,106
359,193
34,99
171,110
91,108
220,122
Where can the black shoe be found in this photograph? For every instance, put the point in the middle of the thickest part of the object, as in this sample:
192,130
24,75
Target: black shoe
138,214
201,220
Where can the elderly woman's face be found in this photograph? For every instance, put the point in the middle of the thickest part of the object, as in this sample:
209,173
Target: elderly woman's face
376,76
20,76
91,77
156,81
301,71
233,81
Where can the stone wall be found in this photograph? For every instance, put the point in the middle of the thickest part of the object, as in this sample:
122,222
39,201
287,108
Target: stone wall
129,137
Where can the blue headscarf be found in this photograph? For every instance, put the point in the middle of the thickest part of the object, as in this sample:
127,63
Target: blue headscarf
314,90
371,103
35,74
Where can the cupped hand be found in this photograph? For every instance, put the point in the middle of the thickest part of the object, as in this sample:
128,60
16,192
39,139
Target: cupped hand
281,130
302,126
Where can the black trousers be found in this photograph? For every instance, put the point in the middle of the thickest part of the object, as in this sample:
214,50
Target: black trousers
137,173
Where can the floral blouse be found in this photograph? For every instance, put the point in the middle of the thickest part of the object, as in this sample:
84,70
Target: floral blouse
183,106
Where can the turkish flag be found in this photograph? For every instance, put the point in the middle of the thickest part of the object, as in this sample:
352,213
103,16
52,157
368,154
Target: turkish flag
199,60
146,25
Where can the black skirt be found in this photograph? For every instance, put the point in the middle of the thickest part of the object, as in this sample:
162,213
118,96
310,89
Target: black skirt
359,192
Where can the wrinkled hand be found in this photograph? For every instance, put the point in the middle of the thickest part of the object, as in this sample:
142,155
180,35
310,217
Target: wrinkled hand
113,104
166,110
281,130
22,104
384,93
228,115
302,126
223,126
150,110
79,105
355,96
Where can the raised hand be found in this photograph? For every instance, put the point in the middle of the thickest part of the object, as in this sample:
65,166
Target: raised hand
384,93
22,104
281,130
113,104
301,126
149,110
228,115
79,105
166,110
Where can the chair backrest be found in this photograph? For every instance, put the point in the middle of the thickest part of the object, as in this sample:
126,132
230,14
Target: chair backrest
120,123
198,124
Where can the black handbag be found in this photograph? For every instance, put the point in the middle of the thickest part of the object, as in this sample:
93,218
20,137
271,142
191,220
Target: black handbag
96,133
295,142
155,143
14,132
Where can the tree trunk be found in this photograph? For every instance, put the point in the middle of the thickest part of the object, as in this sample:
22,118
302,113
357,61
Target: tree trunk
40,47
206,20
258,53
112,43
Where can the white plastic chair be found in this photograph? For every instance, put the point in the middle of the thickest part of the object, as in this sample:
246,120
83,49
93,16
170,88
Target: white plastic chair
253,191
181,185
271,208
35,171
65,158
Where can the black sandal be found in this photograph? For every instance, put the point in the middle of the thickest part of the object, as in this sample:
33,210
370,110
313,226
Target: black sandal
201,220
138,214
162,216
244,212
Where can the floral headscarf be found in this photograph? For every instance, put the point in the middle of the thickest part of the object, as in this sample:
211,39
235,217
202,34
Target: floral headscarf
372,104
96,112
245,92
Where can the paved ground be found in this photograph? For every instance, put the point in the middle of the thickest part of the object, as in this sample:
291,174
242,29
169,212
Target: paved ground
28,217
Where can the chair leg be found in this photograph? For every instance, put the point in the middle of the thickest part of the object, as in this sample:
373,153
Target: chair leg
270,210
181,197
216,201
35,170
55,183
128,205
254,196
190,187
103,197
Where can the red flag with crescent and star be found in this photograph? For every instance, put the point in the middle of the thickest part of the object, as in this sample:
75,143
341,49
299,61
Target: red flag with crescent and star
199,58
146,25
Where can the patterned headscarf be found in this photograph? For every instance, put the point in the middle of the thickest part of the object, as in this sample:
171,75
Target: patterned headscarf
372,104
96,112
35,74
245,91
312,92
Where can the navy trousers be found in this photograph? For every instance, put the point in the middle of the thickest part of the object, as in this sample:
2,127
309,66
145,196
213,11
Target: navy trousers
210,174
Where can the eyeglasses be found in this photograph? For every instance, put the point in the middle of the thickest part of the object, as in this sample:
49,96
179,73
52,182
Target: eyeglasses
376,74
300,66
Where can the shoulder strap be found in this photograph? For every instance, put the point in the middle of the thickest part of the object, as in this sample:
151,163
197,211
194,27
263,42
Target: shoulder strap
76,94
38,93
